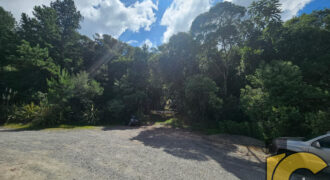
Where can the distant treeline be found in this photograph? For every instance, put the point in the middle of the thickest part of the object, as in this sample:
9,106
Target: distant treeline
238,70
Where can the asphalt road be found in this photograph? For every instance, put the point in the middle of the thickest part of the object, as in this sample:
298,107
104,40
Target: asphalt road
126,153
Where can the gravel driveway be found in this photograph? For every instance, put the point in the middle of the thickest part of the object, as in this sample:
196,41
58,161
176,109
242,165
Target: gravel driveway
126,153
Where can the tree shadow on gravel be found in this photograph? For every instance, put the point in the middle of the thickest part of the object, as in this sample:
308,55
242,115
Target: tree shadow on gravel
191,147
110,128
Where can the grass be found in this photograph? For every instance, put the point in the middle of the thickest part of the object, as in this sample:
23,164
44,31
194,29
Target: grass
17,126
65,126
174,123
58,127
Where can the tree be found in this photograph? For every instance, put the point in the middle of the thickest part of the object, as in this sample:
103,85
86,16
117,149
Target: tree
7,37
68,19
177,62
265,14
262,31
55,28
201,98
8,42
218,31
30,68
305,41
278,98
41,30
131,88
227,72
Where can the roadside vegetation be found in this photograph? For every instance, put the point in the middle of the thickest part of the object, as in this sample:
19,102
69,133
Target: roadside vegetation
237,71
29,126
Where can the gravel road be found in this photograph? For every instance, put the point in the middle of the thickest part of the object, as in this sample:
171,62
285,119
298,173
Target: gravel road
152,152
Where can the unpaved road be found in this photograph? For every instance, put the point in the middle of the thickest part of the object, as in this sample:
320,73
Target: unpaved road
126,153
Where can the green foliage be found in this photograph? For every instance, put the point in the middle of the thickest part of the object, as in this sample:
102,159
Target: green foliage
306,42
219,33
8,42
35,57
7,36
116,109
175,123
277,98
318,122
219,26
29,63
231,73
75,95
176,63
201,98
265,13
55,27
252,129
37,115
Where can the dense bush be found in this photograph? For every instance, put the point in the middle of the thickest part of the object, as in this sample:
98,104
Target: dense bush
115,111
318,122
41,115
252,129
74,97
230,72
277,98
201,98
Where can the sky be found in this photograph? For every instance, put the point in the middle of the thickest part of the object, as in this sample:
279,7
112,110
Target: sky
150,22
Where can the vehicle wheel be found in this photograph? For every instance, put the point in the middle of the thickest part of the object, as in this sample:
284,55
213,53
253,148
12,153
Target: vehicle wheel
304,174
301,174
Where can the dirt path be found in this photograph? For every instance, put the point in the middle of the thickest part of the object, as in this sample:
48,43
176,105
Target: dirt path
127,153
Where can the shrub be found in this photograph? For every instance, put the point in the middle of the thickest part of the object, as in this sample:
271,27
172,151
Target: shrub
23,114
283,121
38,115
4,111
116,109
318,122
245,128
275,99
201,98
74,97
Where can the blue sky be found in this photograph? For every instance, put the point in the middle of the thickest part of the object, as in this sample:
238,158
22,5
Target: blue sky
315,5
151,22
157,30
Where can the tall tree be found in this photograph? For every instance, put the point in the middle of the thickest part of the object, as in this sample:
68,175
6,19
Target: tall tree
7,36
55,28
262,29
305,40
31,66
218,31
178,61
265,14
68,22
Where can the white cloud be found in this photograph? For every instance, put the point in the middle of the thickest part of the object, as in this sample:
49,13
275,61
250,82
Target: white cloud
110,17
132,42
181,13
290,8
179,16
113,17
17,7
148,43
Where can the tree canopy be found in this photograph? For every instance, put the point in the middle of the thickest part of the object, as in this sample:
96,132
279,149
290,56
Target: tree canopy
238,70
